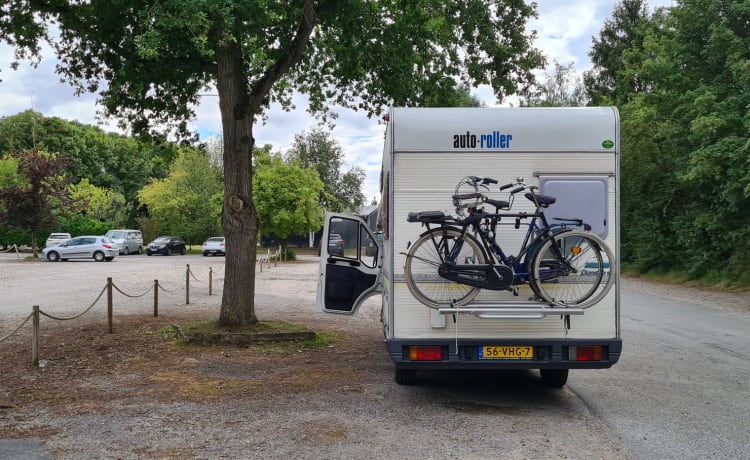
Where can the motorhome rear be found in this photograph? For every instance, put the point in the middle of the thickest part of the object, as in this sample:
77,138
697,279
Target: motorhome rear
570,153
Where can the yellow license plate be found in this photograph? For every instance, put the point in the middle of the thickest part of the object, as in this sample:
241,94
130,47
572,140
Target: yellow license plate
506,352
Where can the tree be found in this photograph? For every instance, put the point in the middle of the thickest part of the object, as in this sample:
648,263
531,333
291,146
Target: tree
99,204
158,56
315,149
183,202
561,88
286,197
685,144
110,161
617,55
30,204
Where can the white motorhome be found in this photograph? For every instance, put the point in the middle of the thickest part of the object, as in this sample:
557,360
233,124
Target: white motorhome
570,153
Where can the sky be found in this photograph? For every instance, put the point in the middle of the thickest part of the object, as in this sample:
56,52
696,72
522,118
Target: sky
564,34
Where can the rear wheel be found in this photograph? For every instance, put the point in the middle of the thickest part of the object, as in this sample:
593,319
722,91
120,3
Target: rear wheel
427,254
182,251
99,256
554,378
582,277
405,376
53,256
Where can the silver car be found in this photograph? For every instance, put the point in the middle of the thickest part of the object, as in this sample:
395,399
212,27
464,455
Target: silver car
99,248
57,238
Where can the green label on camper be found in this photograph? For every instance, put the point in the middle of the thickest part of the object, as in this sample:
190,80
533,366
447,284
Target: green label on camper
608,144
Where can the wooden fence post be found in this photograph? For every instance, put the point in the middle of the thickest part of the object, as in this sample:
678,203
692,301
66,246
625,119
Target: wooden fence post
187,285
156,298
210,279
35,336
109,305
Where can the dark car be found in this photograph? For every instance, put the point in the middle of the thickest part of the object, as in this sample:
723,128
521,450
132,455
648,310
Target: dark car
335,245
166,245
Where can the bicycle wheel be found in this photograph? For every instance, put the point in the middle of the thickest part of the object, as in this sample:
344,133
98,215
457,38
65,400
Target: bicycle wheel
425,257
584,275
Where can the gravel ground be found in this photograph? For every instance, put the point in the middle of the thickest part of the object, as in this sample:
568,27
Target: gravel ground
134,394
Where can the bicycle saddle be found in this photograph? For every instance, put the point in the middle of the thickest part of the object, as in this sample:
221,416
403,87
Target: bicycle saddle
543,200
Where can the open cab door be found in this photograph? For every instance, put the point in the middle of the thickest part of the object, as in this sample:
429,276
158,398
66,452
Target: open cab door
350,262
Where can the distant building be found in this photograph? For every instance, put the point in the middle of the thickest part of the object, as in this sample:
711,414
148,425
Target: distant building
369,214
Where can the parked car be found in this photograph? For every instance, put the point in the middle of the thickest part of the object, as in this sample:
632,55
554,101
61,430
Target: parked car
56,238
128,241
214,245
99,248
166,245
335,245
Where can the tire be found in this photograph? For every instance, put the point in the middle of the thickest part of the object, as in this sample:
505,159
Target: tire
148,254
563,282
52,256
168,252
424,258
99,256
405,376
554,378
182,251
140,250
205,254
127,251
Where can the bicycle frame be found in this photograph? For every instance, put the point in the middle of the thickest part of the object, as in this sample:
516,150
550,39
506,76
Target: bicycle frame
484,224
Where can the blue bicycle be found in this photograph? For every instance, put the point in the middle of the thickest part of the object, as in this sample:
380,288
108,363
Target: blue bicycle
564,263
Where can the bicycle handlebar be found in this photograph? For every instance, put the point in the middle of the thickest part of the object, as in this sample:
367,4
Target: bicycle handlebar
482,180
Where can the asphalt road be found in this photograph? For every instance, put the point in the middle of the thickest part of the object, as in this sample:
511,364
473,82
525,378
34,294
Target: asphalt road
680,390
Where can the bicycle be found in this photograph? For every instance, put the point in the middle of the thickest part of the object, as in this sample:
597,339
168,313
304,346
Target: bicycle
564,263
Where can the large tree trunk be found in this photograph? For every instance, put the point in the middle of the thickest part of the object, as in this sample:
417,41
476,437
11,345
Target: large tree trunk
239,218
238,106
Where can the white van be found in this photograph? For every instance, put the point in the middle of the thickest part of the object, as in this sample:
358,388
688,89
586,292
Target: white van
569,153
128,241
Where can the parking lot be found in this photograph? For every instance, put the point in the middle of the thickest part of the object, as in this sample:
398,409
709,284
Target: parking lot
131,394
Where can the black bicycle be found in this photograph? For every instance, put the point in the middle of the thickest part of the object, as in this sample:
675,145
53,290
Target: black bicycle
564,263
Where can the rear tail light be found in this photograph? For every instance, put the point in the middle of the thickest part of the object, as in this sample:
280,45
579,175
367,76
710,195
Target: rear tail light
107,245
425,353
587,353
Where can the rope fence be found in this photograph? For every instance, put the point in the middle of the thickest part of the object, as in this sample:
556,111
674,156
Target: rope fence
109,289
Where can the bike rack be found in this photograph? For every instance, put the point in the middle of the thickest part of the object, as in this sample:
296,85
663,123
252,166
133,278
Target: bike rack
510,310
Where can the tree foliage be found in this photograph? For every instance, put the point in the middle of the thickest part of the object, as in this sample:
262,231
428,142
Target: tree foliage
618,55
183,203
157,56
286,196
562,87
111,161
315,149
31,200
686,142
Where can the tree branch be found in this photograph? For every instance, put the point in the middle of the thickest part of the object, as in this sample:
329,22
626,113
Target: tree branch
294,55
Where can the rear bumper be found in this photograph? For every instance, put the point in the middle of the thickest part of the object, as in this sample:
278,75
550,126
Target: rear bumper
548,354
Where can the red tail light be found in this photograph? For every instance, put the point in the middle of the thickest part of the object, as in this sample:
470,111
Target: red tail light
425,353
107,245
592,353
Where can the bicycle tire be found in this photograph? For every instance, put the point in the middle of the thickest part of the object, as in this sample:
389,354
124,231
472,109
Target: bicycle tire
583,279
424,258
